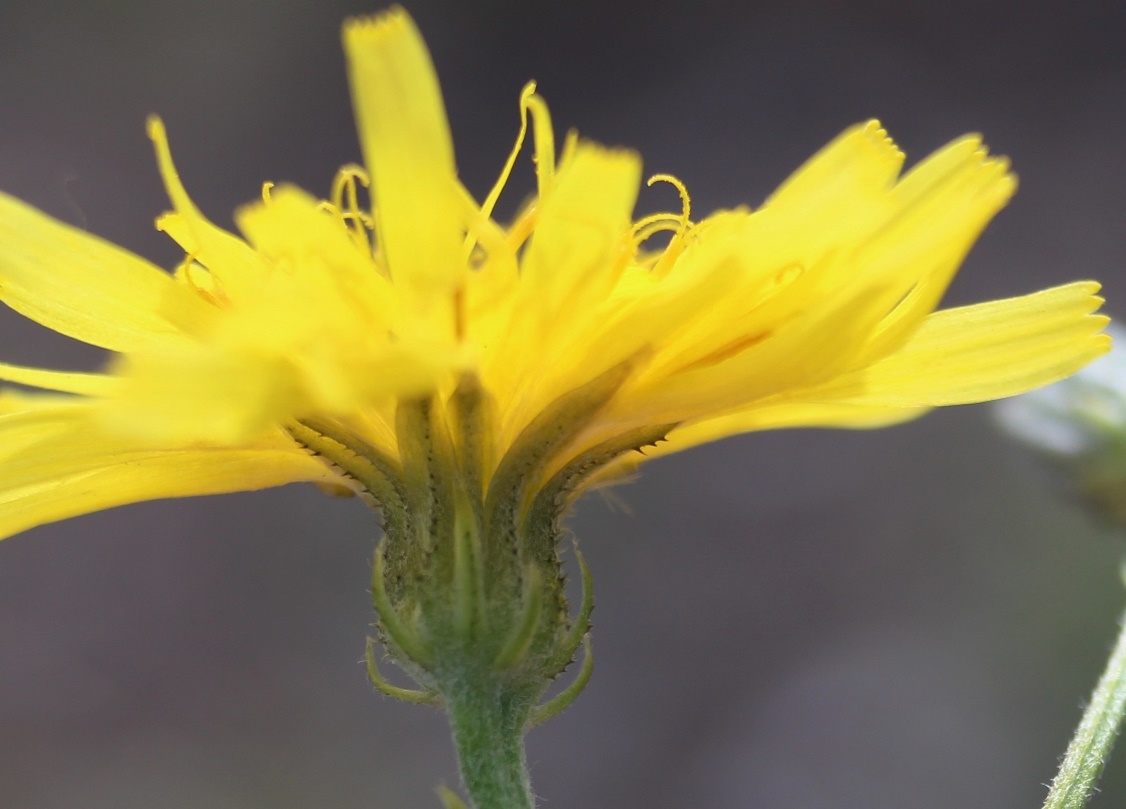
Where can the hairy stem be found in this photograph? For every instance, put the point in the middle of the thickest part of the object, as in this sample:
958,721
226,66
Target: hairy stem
488,722
1090,747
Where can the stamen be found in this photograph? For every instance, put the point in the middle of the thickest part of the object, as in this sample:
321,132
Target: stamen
544,137
680,225
349,216
192,273
345,181
523,227
685,201
494,194
486,240
644,229
534,107
346,204
267,187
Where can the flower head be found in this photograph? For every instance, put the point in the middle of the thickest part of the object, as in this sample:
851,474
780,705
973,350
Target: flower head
358,345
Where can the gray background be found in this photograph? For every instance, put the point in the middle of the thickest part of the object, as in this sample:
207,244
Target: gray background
789,620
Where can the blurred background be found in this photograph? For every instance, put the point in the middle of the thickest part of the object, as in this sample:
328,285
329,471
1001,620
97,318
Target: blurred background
903,618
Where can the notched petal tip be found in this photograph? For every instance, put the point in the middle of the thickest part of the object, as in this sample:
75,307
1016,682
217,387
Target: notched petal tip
855,168
390,32
961,179
371,29
881,141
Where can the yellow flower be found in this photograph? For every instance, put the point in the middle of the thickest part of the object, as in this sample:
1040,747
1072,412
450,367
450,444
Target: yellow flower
540,354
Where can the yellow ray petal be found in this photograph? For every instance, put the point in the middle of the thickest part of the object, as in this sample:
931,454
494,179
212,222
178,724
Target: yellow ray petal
971,354
938,167
664,313
61,381
13,402
200,393
843,188
232,392
406,144
64,476
315,246
807,351
79,285
27,419
944,209
580,244
983,352
781,416
770,282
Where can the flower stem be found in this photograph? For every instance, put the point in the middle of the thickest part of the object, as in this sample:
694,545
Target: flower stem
488,723
1090,747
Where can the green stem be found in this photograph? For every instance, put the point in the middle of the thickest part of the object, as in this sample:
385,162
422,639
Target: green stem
1090,747
488,723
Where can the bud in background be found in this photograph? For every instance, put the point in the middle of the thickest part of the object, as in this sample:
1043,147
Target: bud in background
1079,426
